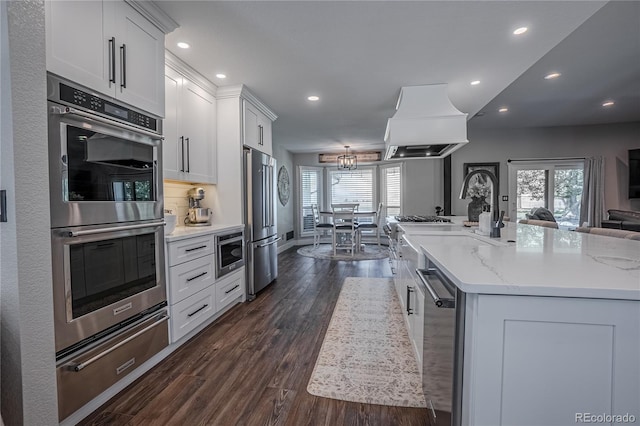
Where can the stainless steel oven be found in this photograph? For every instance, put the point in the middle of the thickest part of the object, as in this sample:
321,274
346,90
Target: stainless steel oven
104,275
229,252
104,159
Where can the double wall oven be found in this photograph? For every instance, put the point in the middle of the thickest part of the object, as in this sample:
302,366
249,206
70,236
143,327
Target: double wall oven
107,237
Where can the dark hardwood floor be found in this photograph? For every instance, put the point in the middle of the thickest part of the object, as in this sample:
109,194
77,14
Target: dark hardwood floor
252,366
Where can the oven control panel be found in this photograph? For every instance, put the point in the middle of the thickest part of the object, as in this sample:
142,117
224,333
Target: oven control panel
94,103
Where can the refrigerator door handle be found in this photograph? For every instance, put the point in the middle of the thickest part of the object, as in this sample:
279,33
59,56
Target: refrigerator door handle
265,213
271,196
269,243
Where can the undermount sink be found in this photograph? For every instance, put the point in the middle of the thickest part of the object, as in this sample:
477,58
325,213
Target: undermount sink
469,238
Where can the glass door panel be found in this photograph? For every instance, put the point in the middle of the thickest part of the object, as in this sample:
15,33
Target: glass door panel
567,195
531,190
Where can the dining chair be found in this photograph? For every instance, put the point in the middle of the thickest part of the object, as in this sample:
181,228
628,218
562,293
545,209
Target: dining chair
318,227
344,230
374,225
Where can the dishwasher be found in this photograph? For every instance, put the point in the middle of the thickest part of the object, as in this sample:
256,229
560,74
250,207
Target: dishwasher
443,346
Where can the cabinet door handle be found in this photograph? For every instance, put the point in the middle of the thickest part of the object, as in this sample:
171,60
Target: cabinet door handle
260,140
231,289
188,157
409,291
197,310
112,60
197,276
123,68
195,248
182,153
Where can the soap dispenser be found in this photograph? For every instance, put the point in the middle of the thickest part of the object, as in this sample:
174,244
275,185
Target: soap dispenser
484,221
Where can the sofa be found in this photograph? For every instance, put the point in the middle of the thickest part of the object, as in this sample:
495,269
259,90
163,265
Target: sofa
622,219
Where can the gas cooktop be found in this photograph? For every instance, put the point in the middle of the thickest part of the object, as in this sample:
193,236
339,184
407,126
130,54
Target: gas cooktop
413,218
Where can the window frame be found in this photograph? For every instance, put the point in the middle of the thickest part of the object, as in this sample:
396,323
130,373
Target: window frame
320,172
383,192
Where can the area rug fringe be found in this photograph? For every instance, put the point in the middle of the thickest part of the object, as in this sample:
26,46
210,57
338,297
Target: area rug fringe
366,355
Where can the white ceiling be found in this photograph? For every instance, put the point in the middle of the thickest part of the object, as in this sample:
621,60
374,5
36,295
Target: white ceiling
356,55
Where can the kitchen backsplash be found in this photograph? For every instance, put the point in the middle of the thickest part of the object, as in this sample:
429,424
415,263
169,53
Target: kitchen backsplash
176,200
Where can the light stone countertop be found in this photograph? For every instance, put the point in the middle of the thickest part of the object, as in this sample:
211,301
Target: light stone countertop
532,260
182,232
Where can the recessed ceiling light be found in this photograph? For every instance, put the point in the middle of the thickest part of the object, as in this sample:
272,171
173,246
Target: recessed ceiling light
520,30
552,76
608,104
221,75
313,98
475,82
503,109
183,45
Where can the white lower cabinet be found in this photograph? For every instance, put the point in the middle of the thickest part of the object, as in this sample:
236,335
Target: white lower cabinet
189,313
195,295
229,288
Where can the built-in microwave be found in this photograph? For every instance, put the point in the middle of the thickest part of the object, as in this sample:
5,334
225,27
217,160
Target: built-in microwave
229,252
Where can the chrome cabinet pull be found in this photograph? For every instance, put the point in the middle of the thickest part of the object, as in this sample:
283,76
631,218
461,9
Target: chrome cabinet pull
197,276
197,310
81,365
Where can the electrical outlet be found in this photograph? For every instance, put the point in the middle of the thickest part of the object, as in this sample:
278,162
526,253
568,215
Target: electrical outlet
505,198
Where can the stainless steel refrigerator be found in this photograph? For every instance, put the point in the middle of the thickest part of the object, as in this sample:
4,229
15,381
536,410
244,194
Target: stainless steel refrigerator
260,220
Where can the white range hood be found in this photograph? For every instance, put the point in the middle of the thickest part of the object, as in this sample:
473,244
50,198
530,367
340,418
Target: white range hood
425,125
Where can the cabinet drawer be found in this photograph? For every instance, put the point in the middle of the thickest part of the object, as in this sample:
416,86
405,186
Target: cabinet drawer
189,313
190,277
191,248
229,288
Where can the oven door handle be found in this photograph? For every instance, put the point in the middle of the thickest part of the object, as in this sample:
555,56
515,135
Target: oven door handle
81,365
440,302
113,229
97,118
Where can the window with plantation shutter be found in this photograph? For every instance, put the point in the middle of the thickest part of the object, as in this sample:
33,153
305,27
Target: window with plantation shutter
310,193
391,191
357,186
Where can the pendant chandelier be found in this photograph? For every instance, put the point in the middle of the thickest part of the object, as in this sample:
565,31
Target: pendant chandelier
347,161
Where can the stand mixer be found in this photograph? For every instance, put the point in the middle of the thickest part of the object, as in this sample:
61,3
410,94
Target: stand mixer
198,216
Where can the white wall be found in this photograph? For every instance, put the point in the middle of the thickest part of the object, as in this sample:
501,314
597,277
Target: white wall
28,380
285,214
610,141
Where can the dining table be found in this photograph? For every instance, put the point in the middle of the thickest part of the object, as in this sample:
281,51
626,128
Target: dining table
356,214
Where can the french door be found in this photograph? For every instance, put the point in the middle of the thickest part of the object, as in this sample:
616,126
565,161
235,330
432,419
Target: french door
553,184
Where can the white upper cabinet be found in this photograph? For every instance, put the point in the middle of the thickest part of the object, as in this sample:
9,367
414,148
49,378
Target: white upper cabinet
108,47
189,150
257,128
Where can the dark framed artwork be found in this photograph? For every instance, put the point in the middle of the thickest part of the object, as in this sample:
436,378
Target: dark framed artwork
491,167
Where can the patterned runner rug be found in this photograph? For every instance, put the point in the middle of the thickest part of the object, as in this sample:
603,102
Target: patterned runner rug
366,355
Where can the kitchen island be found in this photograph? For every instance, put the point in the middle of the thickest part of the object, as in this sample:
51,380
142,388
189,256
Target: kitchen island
551,323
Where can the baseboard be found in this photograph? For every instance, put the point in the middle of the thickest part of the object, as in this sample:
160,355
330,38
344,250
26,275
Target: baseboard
286,246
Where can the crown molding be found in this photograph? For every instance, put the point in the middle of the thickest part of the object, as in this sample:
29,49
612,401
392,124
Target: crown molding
241,91
154,14
190,73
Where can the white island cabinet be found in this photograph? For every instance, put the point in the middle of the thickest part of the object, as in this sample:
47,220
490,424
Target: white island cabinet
551,324
109,47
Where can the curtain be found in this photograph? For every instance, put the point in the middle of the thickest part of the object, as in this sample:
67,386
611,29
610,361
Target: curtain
592,208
